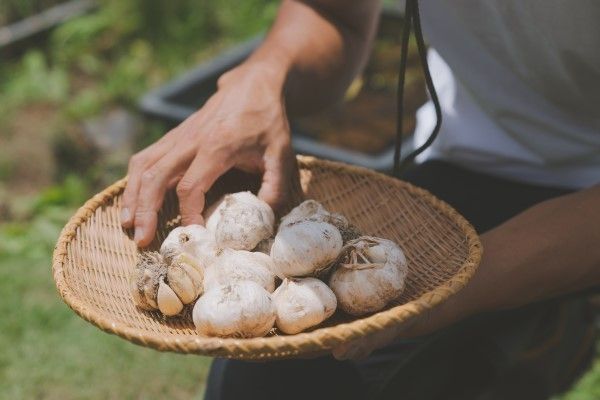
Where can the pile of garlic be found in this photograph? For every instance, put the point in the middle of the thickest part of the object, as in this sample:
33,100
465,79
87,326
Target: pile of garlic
247,278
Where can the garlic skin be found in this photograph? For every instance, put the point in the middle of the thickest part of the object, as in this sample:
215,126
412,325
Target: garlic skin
306,209
166,283
194,240
234,266
305,248
314,211
240,221
371,274
302,303
242,310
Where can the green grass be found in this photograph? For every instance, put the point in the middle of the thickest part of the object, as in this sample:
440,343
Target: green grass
48,352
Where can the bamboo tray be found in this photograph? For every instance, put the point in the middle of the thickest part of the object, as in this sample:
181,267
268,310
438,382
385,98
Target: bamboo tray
94,256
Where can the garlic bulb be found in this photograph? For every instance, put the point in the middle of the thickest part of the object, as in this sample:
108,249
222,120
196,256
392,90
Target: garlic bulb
166,283
371,274
302,303
305,248
314,211
194,240
239,265
306,209
242,309
240,221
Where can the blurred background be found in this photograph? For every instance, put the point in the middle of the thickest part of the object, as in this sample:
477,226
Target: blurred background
78,96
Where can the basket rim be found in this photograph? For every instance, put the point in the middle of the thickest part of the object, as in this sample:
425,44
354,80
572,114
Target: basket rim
272,347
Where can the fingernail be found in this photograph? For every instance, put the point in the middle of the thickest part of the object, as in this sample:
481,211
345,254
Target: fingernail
139,234
125,215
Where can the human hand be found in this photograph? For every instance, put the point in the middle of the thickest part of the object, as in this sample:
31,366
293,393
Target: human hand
243,125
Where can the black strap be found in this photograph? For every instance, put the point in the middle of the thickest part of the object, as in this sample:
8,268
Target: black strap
412,17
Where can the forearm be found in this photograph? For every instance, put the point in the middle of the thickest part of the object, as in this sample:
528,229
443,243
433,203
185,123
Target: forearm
315,48
549,250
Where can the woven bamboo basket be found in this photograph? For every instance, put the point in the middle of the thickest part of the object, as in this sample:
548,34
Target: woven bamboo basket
94,257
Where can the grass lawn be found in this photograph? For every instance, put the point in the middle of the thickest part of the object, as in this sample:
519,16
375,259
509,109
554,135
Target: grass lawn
50,353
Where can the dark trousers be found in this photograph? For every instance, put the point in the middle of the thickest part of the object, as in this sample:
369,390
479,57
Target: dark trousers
529,353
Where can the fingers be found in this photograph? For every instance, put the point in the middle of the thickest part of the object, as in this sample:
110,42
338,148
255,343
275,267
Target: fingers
153,185
194,184
280,171
137,165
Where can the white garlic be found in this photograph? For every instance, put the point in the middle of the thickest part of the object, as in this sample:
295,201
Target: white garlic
314,211
243,309
371,274
240,221
240,265
166,283
185,277
194,240
302,303
305,248
306,209
168,302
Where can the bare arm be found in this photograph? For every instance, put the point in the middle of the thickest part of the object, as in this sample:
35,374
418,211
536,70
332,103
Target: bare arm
308,58
550,249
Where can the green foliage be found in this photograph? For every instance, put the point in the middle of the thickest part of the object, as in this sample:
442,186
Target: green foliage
35,81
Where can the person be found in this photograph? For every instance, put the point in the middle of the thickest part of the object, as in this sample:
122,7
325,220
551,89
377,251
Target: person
518,155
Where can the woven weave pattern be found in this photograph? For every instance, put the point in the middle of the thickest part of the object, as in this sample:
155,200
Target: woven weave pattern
94,258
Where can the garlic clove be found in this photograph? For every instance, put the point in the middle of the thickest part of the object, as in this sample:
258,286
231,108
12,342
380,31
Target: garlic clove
305,248
181,283
168,302
302,303
194,271
242,309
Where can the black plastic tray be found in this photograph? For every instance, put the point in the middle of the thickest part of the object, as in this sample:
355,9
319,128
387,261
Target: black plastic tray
178,99
43,21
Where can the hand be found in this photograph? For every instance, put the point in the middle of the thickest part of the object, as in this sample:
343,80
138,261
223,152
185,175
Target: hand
456,308
243,125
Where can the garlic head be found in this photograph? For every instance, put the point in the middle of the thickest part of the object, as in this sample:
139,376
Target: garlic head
305,248
165,283
240,221
302,303
194,240
243,309
370,275
314,211
239,265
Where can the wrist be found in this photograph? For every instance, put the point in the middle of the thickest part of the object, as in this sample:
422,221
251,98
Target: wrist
270,68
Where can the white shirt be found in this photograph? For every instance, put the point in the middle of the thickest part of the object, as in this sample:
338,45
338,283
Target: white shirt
521,98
